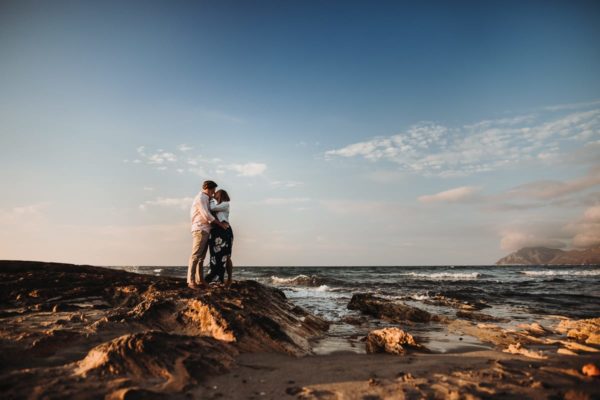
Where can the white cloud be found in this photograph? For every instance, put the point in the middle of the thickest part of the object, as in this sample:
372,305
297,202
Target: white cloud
182,203
592,214
386,176
28,210
287,184
199,165
580,233
159,157
573,106
435,150
459,194
550,189
514,240
277,201
26,218
586,230
248,169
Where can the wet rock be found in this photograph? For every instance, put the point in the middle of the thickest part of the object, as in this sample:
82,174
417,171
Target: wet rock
387,309
352,320
472,304
477,316
390,340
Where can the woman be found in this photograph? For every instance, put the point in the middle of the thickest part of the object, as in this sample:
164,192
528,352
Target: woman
221,240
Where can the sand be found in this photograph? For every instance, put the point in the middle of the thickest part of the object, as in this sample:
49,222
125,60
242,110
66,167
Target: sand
470,375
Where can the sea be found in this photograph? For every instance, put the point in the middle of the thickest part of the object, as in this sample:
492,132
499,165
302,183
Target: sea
518,294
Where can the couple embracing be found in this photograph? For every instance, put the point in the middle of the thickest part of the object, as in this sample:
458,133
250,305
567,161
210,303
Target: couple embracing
210,230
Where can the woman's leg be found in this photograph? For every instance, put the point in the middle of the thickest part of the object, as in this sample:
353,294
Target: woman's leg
229,266
218,254
212,273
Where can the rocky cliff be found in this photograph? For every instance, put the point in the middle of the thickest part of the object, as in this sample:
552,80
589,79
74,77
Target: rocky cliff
547,256
72,331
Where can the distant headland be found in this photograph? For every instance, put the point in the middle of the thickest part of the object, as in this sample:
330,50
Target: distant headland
549,256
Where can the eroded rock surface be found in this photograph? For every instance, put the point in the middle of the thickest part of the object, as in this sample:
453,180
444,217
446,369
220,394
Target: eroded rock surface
387,309
62,325
583,330
390,340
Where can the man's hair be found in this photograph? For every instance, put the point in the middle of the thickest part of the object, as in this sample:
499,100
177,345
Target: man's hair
222,195
209,185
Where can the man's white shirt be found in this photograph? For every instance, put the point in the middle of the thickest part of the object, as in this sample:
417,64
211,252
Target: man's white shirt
200,213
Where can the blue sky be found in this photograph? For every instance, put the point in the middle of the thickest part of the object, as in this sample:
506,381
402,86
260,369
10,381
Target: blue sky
348,133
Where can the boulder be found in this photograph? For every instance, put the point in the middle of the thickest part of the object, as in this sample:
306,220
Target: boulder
390,340
388,310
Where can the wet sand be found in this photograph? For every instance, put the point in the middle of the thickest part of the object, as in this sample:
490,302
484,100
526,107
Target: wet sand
469,375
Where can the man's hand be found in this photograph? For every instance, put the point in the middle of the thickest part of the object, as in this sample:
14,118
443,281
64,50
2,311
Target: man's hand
224,225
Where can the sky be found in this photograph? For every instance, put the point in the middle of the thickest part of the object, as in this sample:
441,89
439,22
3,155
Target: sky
346,133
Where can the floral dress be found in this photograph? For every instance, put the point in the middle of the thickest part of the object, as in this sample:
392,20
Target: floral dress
220,244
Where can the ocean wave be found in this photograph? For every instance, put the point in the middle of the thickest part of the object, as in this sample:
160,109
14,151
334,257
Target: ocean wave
562,272
301,280
447,276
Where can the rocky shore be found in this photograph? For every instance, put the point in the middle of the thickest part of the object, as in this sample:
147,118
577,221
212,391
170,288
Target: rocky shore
72,331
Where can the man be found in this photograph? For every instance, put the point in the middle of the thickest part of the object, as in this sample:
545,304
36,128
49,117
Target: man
202,219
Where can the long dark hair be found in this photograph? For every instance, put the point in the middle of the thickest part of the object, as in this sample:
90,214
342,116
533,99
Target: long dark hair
221,196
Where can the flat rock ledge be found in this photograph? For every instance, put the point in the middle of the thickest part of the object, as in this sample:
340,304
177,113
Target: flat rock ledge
75,331
387,310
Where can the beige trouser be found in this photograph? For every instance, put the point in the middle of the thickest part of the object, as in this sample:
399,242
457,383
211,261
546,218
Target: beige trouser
199,248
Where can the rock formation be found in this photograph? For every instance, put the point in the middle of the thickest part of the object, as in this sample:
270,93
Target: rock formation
64,326
390,340
387,309
547,256
583,330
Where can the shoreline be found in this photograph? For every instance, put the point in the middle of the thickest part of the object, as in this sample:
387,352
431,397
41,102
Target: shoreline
93,332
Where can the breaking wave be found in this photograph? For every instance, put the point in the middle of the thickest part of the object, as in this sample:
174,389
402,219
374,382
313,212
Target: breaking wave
562,272
303,280
447,276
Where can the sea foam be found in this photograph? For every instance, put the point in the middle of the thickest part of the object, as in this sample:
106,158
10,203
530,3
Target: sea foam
447,276
562,272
